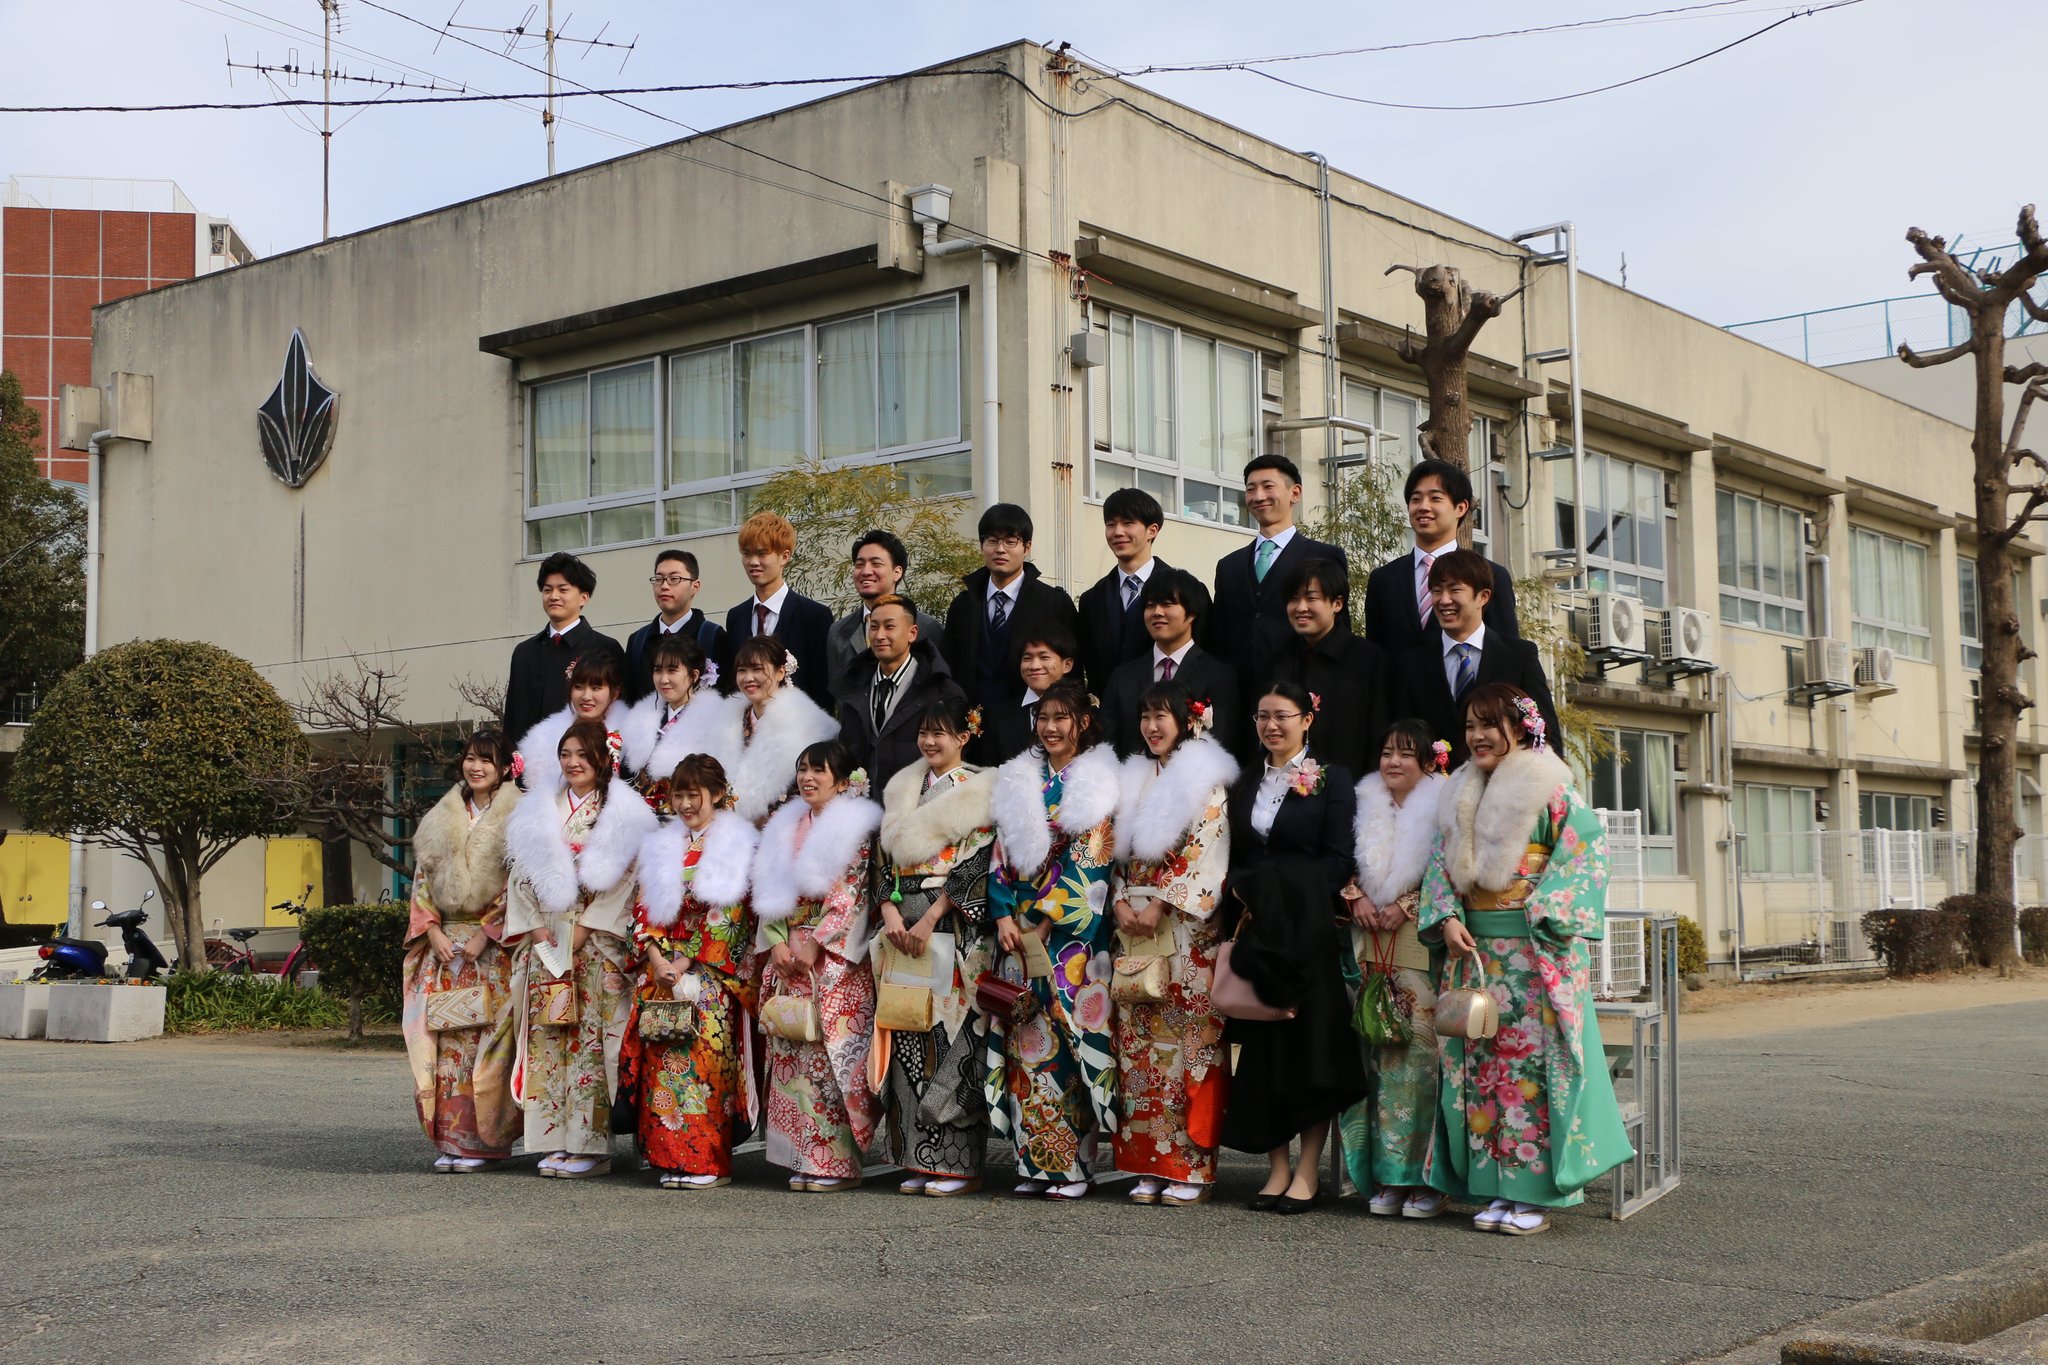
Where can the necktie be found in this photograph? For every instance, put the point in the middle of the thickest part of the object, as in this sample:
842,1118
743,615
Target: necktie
1130,591
1422,595
1166,670
760,618
1466,668
885,688
1262,559
999,612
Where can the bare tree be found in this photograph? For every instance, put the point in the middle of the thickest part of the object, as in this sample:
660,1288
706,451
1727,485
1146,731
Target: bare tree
1985,297
485,696
1452,314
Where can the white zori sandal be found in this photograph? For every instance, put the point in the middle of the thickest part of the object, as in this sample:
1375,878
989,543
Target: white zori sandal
1526,1221
1488,1219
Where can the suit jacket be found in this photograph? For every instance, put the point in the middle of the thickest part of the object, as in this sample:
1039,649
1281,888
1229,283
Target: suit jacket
1393,622
1313,828
708,634
848,638
1231,633
802,627
1206,677
986,666
1110,636
538,684
1349,673
893,748
1422,691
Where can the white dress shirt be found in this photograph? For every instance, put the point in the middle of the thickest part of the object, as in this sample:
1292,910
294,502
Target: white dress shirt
1179,657
666,629
774,605
905,671
1123,581
1477,639
1009,590
555,633
1424,559
1273,786
1279,542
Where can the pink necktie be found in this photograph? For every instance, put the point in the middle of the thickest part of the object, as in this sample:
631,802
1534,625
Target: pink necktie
1422,585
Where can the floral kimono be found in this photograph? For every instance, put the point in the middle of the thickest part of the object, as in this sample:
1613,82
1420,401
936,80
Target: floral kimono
653,742
462,1078
811,876
1387,1135
1051,1081
1173,851
1529,1114
572,864
697,1097
937,835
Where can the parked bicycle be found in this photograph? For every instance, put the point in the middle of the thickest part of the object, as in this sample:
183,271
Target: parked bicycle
239,959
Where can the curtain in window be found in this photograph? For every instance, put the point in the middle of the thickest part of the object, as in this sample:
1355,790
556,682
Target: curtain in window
1154,431
560,468
1237,375
920,364
700,417
846,388
770,398
622,431
1198,445
1657,785
1122,385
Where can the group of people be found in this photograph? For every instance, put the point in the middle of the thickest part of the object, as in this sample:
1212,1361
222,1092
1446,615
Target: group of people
1120,883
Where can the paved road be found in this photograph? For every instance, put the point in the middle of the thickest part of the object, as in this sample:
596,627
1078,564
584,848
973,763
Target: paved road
186,1200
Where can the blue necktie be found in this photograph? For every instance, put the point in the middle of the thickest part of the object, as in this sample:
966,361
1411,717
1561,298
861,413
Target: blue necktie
1262,559
1466,668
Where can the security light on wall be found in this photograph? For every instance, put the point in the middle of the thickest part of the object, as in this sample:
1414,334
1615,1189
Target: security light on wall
932,204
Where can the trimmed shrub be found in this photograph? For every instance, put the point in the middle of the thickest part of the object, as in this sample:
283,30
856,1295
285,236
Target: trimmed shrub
1990,920
216,1002
2034,933
1692,947
359,950
1916,942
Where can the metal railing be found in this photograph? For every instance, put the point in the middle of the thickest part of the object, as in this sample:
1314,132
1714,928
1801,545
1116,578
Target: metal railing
1873,330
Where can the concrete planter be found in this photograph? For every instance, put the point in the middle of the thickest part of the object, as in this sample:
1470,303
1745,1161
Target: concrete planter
104,1014
23,1009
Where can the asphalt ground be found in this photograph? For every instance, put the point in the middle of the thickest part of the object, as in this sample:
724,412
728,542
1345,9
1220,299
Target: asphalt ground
188,1200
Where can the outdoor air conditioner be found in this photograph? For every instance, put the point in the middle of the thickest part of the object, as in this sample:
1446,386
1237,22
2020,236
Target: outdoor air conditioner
1874,668
1616,624
1687,637
1829,663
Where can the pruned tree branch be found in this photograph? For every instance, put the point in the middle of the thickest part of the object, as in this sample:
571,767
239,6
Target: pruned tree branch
1922,362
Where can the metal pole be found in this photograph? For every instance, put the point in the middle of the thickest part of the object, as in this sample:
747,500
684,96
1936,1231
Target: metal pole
1571,295
1329,337
327,9
547,116
991,407
75,924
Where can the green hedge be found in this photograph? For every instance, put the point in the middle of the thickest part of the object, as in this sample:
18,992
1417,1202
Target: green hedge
1916,942
359,950
1988,923
217,1002
1692,947
2034,933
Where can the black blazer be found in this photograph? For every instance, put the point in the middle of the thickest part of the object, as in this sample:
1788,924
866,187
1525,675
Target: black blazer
1422,692
1310,828
1005,732
1394,624
1206,677
1350,674
894,747
708,634
990,679
802,628
1110,636
538,684
1231,632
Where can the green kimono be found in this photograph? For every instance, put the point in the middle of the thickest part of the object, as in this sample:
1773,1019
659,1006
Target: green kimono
1529,1114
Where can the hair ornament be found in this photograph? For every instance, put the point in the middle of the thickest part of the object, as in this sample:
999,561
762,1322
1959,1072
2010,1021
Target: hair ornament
1315,703
1201,716
1532,722
1440,755
857,782
973,723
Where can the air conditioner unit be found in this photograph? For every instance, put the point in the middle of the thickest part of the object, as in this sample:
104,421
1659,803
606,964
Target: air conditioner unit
1829,663
1687,637
1616,625
1874,668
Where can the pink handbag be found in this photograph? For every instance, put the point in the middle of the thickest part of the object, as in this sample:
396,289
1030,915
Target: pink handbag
1231,996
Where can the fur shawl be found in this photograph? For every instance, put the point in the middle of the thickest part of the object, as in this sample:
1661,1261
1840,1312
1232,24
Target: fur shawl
1088,797
766,765
462,864
1486,822
542,770
540,856
1157,806
709,725
915,831
721,876
785,874
1393,843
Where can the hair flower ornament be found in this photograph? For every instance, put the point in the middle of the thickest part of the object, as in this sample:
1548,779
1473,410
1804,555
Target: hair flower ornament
973,723
518,768
709,677
1307,779
1201,716
1315,702
1532,722
1440,755
857,782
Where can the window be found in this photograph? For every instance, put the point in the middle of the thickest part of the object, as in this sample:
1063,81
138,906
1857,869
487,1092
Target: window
1638,775
1624,525
1971,629
1888,810
1777,828
1889,591
1177,415
1763,563
673,446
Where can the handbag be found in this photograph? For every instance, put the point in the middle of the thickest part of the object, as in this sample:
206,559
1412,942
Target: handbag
793,1018
1231,996
1003,1002
1143,971
666,1021
1378,1017
554,1001
899,1005
1467,1012
453,1008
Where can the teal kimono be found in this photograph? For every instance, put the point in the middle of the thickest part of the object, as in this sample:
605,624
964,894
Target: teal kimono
1529,1114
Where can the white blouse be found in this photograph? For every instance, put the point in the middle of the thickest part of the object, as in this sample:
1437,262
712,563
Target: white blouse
1273,786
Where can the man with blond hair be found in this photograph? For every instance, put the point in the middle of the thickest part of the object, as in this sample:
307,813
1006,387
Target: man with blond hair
767,542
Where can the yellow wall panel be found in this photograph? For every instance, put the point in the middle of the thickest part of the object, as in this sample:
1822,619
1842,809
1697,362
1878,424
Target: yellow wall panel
35,878
289,865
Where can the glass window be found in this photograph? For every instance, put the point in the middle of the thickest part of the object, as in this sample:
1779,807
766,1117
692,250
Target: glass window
846,388
1763,563
1623,521
1889,593
1971,630
1638,775
622,431
1176,414
1777,828
920,364
560,471
1892,810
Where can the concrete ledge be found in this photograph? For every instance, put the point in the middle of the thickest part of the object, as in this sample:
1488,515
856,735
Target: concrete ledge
24,1009
104,1014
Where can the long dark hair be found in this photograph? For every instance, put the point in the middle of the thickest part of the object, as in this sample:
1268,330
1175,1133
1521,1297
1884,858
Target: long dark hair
590,732
1073,696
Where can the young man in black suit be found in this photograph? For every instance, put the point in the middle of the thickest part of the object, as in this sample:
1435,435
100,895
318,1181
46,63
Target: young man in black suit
767,542
1432,679
1399,611
1000,604
880,560
886,689
539,681
1348,672
675,583
1175,604
1112,621
1248,579
1045,656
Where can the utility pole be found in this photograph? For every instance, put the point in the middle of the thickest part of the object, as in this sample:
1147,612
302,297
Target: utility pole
521,37
547,115
329,10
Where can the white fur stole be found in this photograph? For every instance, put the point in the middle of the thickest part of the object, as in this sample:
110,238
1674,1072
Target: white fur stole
916,831
539,854
710,724
1157,807
1088,797
541,769
764,769
1486,821
1392,843
720,878
785,874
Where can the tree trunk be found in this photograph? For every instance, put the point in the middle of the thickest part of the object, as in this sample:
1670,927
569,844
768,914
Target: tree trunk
355,1017
195,921
337,873
2002,700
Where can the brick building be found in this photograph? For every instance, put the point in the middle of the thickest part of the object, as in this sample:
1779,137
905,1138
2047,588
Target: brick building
69,244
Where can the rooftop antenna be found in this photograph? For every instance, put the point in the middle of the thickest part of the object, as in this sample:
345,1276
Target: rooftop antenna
522,35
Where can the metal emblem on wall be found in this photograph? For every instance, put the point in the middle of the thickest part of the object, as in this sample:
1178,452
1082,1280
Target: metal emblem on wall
297,421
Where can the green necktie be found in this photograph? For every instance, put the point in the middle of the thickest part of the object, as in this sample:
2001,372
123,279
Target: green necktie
1262,559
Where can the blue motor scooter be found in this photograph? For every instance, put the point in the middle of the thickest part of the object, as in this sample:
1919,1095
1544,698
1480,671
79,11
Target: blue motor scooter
85,959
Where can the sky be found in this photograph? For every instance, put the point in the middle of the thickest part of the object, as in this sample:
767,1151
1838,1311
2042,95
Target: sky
1776,177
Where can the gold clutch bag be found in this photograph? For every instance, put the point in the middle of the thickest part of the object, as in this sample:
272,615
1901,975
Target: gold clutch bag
667,1021
453,1008
554,1001
906,1009
1467,1012
1138,980
793,1018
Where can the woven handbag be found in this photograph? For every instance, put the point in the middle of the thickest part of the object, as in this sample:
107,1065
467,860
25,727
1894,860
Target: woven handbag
453,1008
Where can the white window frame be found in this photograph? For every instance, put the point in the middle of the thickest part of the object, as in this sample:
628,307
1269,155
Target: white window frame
1760,846
1605,573
1748,603
1916,807
1888,626
736,483
1968,607
1660,849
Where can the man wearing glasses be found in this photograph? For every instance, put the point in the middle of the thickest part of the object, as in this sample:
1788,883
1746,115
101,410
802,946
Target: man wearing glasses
1001,604
675,589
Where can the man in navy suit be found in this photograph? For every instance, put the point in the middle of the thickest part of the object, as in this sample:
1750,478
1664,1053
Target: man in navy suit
1432,680
1249,579
767,542
997,609
1112,621
1174,604
1399,609
675,583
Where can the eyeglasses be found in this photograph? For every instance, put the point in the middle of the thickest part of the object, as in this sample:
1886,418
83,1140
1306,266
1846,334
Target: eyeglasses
670,580
1003,542
1274,717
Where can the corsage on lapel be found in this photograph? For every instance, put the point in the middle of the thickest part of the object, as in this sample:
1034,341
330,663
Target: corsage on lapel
1307,779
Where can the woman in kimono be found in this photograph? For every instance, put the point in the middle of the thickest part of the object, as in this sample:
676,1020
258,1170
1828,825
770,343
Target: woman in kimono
938,837
571,849
774,723
1290,854
1387,1137
596,681
462,1078
695,1079
1516,890
1051,1080
1172,854
683,715
811,890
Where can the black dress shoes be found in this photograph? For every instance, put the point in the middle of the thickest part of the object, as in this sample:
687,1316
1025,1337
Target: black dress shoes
1264,1203
1286,1205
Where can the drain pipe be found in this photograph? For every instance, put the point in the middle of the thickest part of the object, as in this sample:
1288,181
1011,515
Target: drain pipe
1331,439
990,445
75,917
